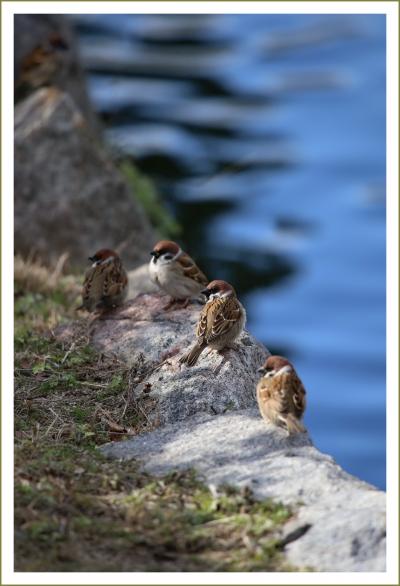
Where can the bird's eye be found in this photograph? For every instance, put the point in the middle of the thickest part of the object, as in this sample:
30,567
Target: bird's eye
168,256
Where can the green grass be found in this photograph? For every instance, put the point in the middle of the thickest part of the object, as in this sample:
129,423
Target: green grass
77,511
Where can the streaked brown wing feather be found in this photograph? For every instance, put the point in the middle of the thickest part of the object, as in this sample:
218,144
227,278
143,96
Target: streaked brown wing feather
114,284
191,270
88,283
115,279
299,401
202,324
225,316
295,395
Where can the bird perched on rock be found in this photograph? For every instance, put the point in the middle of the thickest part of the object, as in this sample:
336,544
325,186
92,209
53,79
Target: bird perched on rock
281,395
42,66
106,282
175,272
221,321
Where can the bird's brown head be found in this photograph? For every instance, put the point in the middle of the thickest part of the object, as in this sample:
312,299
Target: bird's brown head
102,256
58,43
165,249
219,289
273,365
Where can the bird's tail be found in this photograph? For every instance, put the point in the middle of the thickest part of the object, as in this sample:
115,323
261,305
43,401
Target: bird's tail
294,425
191,357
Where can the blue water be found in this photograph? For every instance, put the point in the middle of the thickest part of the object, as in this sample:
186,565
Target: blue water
266,135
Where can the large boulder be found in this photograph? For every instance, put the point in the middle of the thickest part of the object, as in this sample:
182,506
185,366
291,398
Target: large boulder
142,334
339,521
206,419
69,197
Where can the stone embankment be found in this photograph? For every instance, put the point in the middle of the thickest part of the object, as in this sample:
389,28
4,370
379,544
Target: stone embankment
205,417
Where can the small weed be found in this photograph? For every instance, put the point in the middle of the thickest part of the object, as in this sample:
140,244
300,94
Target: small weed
117,384
80,413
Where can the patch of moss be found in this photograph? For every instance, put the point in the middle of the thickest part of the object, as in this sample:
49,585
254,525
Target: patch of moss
73,497
146,193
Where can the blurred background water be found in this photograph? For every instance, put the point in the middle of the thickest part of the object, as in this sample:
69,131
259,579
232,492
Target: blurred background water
265,135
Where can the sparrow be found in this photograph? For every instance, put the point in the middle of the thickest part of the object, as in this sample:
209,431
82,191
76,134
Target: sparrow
42,66
106,282
175,272
281,395
220,323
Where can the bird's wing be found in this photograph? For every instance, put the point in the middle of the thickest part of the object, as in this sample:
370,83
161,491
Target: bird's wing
201,329
299,399
115,280
191,270
295,395
222,316
87,288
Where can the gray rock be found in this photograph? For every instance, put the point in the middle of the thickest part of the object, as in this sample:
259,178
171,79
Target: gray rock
347,516
207,420
139,282
69,197
141,332
30,31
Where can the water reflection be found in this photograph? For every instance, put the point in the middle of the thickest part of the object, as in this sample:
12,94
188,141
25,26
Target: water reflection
266,135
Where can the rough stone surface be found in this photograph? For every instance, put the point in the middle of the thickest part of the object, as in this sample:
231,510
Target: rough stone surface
208,420
30,31
69,197
142,333
347,516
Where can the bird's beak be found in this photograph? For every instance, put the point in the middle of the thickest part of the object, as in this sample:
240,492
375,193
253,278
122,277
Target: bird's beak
91,258
155,254
261,370
206,292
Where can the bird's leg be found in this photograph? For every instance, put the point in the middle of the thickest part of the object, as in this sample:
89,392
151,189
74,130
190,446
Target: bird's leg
179,303
103,312
182,303
222,353
170,304
232,346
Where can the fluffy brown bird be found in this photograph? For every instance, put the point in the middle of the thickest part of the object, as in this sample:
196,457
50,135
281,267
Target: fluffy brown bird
42,66
175,272
221,321
106,282
281,395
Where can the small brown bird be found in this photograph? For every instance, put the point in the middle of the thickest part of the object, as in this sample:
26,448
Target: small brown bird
281,395
42,66
175,272
106,282
221,321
